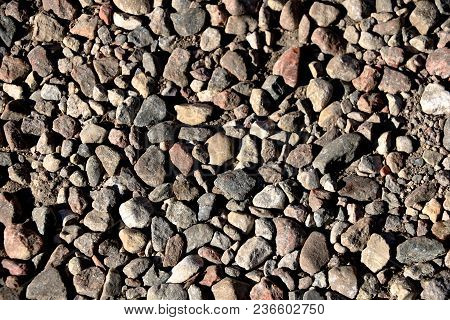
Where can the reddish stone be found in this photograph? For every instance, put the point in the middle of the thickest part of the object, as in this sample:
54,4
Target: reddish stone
39,61
211,276
218,15
174,251
290,235
301,156
15,268
318,198
13,69
438,63
287,66
298,212
370,103
12,282
105,13
367,80
181,158
266,290
211,254
64,9
21,243
227,100
85,26
10,208
118,137
394,82
327,41
393,56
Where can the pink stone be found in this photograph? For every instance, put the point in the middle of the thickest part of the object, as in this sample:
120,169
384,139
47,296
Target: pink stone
287,66
181,158
266,290
438,63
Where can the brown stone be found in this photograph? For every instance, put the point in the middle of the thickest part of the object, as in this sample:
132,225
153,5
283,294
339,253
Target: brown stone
344,281
181,158
327,41
314,254
367,80
227,100
13,69
174,251
230,289
438,63
290,235
105,13
287,66
356,236
394,82
21,243
63,9
301,156
85,26
266,290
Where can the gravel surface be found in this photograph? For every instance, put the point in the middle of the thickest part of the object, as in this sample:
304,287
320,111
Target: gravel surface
234,149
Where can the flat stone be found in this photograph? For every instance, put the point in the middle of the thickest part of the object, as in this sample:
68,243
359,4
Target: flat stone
181,215
424,16
319,92
435,100
419,249
193,114
328,41
271,197
93,133
438,63
136,212
47,285
21,243
343,280
343,67
323,14
422,193
377,253
394,82
153,109
188,22
39,61
287,66
47,29
13,69
107,68
235,184
342,150
150,167
314,254
253,253
290,235
85,26
135,7
360,188
109,158
219,149
176,67
85,78
185,269
266,289
234,63
89,282
230,289
181,158
356,236
167,291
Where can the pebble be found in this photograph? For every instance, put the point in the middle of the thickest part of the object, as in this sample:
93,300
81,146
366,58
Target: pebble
419,249
287,66
435,100
314,254
376,254
253,253
343,280
47,285
185,269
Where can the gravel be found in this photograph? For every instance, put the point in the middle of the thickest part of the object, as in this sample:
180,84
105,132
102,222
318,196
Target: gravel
235,149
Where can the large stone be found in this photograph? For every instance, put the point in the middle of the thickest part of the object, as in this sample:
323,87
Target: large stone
424,16
150,167
47,285
152,110
319,92
89,282
63,9
342,150
136,212
253,253
360,188
176,67
181,215
376,255
344,281
438,63
266,289
234,63
13,69
167,291
47,29
185,269
323,14
394,82
343,67
193,114
234,184
419,249
314,254
271,197
85,78
290,235
435,100
188,22
220,149
21,243
230,289
287,66
356,236
107,68
135,7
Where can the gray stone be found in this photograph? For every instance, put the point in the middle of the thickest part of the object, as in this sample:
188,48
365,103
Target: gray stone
342,150
167,291
185,269
271,197
253,253
47,285
150,167
136,212
234,184
188,22
181,215
419,249
360,188
152,110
